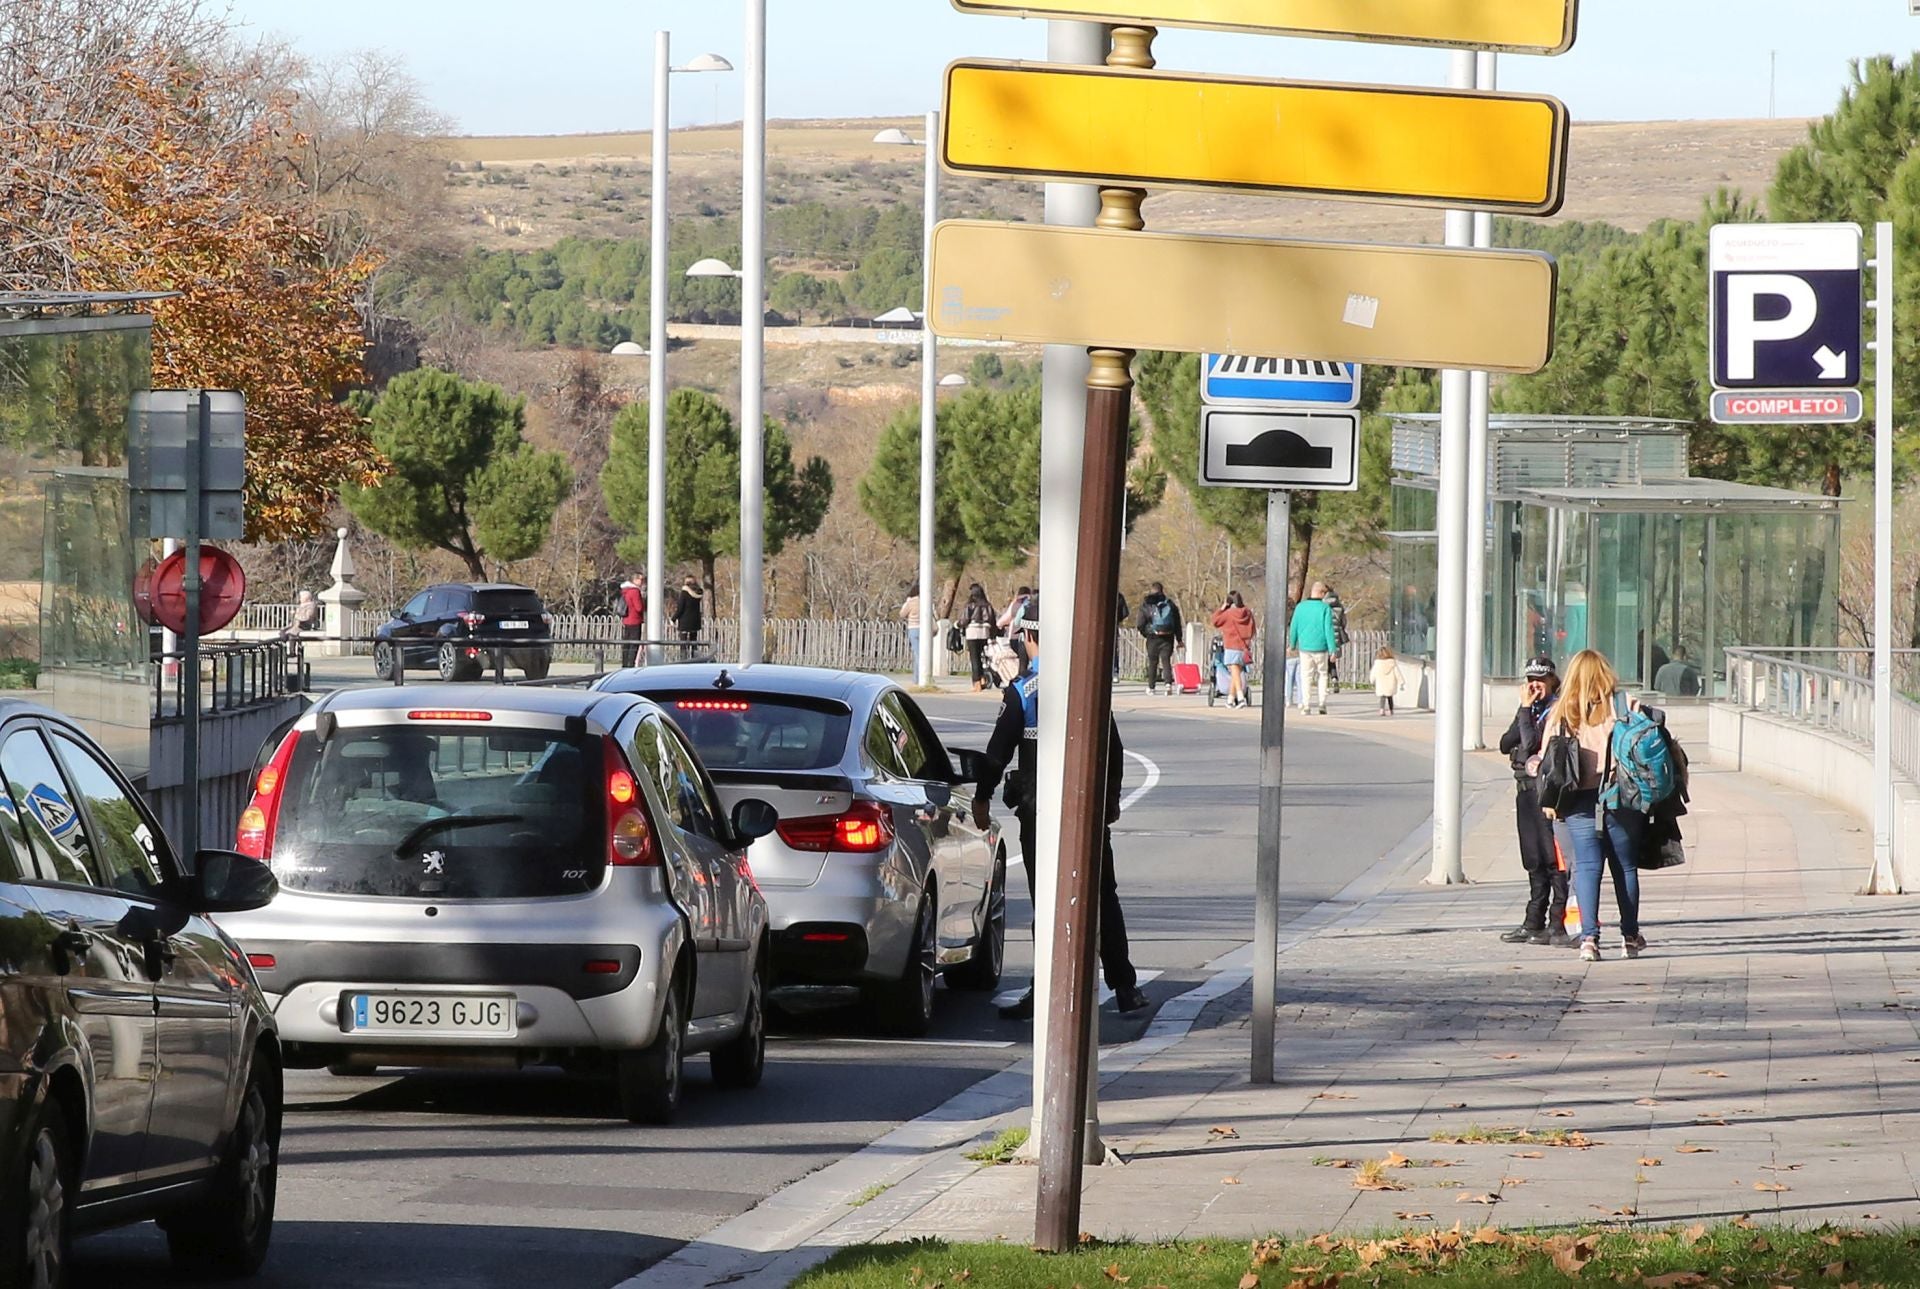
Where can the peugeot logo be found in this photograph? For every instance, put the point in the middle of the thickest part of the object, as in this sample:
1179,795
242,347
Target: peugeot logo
435,862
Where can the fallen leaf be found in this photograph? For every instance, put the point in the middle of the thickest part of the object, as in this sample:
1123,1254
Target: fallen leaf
1743,1222
1507,1056
1695,1233
1648,1101
1490,1235
1461,1105
1710,1120
1834,1270
1571,1253
1649,1162
1488,1198
1371,1254
1395,1159
1527,1154
1712,1074
1113,1273
1222,1130
1250,1281
1773,1187
1761,1244
1335,1163
1694,1150
1267,1252
1559,1114
1674,1280
1628,1211
1333,1096
1414,1217
1229,1181
1782,1168
1870,1217
1363,1182
1513,1181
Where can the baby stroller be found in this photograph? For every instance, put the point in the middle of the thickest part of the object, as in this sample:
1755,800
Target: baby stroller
1218,682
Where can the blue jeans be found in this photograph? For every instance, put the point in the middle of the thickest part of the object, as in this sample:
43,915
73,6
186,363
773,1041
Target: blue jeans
1592,845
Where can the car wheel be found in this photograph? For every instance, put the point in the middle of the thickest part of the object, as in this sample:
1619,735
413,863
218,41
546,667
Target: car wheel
536,665
452,666
739,1062
981,972
36,1205
905,1006
649,1079
383,660
226,1233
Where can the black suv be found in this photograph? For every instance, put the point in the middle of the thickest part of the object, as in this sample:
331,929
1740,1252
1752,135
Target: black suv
139,1065
462,628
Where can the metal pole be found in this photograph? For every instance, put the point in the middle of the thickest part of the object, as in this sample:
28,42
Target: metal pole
190,637
1474,646
1885,880
1273,728
929,395
657,361
1063,419
1450,525
753,340
1083,824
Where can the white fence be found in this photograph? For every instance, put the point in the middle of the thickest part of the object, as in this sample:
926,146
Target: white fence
1796,685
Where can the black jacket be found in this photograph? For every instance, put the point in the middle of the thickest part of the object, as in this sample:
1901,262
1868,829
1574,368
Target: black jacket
689,610
1522,740
1010,745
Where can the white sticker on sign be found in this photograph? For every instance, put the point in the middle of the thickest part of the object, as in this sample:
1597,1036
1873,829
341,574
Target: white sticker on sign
1362,311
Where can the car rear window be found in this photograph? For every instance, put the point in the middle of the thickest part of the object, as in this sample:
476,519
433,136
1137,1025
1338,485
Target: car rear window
508,603
736,731
442,812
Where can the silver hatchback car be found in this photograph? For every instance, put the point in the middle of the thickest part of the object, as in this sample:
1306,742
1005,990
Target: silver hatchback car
876,875
507,876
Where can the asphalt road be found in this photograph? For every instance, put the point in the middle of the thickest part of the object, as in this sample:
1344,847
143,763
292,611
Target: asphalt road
469,1179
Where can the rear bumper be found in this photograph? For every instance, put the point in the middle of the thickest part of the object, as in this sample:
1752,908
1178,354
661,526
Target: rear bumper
313,1015
876,925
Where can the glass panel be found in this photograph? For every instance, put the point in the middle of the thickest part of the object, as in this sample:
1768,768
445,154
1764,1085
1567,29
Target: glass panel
67,553
1416,574
760,731
46,811
1532,592
1414,509
125,854
1617,606
1567,581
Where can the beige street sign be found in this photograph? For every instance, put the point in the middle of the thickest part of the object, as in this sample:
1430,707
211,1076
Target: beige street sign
1502,152
1522,26
1407,306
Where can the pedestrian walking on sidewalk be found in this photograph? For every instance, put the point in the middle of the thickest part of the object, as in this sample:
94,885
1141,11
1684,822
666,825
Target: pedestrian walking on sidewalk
1596,837
1234,621
633,617
689,611
1161,626
1386,679
1005,623
1545,919
1013,743
976,628
910,615
1340,637
1314,634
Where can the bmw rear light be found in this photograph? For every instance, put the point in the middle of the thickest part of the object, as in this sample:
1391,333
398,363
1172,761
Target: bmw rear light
255,834
862,829
630,840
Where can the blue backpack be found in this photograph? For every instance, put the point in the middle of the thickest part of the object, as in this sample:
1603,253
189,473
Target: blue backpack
1641,772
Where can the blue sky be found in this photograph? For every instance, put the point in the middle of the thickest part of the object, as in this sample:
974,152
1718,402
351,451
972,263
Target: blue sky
500,67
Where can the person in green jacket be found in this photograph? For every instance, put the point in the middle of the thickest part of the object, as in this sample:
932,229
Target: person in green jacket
1313,633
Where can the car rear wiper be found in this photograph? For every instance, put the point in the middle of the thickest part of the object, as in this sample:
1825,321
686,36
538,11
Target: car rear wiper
422,831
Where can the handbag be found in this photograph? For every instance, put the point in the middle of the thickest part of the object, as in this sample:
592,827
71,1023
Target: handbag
1670,853
956,643
1559,771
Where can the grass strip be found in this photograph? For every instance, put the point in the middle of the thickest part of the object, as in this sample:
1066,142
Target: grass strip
1727,1255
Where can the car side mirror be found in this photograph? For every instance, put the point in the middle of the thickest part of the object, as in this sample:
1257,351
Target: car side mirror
754,819
967,764
225,881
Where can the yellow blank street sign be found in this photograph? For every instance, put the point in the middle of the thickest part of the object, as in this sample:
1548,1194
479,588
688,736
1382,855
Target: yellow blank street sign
1523,26
1404,306
1505,152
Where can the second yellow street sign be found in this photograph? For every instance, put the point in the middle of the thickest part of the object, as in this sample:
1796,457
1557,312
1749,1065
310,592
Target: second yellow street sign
1401,306
1523,26
1505,152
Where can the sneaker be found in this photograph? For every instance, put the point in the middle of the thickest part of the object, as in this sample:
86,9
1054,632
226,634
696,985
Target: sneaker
1020,1010
1589,951
1152,690
1131,999
1519,935
1632,946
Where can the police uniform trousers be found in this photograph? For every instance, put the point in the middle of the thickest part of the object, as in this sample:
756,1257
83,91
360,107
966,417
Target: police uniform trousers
1114,962
1546,880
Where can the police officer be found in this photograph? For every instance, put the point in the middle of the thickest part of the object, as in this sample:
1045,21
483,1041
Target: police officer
1545,918
1015,732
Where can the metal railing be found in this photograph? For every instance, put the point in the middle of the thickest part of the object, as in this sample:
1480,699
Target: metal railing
232,677
1798,685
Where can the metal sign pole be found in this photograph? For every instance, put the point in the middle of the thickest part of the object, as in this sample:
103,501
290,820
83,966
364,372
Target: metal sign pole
1885,881
1273,726
190,638
929,402
1474,650
659,216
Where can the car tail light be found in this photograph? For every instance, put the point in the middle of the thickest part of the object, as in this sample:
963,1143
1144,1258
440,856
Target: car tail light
601,966
473,619
865,827
712,705
630,840
255,834
262,961
447,714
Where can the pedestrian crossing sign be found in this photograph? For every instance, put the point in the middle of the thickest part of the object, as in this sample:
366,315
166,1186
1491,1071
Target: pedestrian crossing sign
1227,379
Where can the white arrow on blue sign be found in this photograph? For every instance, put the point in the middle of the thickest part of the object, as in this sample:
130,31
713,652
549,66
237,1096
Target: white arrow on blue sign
1786,306
1228,379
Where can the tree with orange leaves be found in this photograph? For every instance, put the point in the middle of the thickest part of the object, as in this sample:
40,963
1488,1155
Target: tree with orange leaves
138,152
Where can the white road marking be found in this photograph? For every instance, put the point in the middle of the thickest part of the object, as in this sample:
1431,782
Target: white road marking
1153,781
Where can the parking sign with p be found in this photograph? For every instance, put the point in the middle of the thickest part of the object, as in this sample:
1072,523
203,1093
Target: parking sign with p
1786,306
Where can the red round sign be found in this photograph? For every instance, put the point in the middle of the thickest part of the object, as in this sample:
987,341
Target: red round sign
223,586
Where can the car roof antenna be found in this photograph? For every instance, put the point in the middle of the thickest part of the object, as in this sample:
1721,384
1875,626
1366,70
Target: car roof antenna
723,680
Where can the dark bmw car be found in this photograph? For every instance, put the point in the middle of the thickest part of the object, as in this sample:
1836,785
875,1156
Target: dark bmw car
139,1065
460,629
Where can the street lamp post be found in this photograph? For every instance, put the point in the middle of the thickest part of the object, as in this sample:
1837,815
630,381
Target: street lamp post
663,70
929,376
753,339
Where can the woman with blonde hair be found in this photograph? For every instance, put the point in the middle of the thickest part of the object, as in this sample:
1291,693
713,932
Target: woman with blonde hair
1593,836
